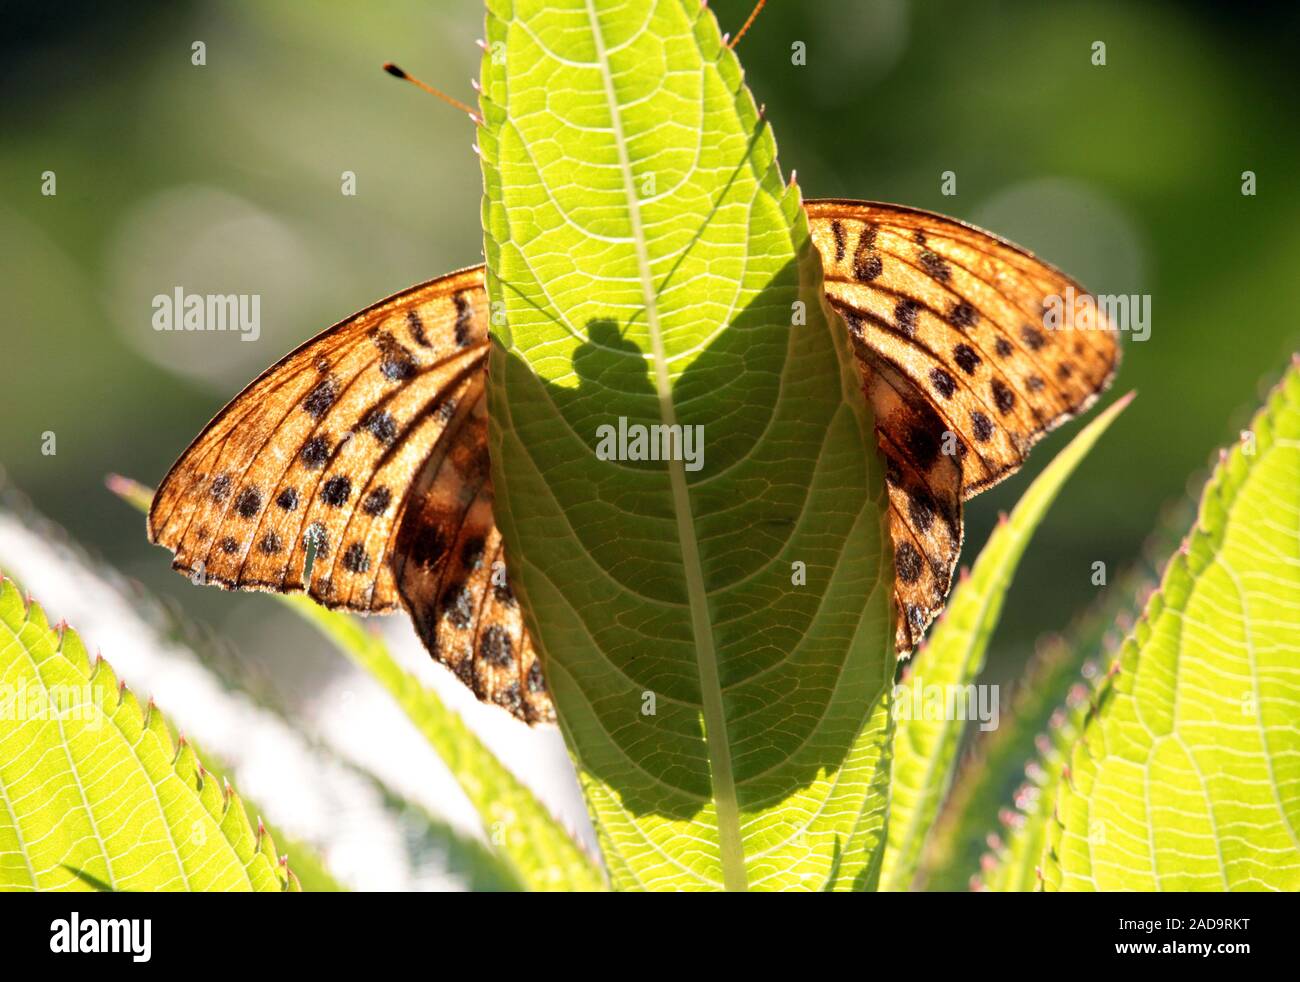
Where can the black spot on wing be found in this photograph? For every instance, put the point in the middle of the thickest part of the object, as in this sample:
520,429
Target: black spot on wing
510,699
355,559
336,491
320,398
458,605
1003,397
1033,337
905,312
471,553
220,489
536,681
495,646
380,425
376,501
907,561
935,265
921,509
942,382
962,315
428,545
416,326
395,362
923,446
315,453
464,319
866,265
248,503
504,592
966,358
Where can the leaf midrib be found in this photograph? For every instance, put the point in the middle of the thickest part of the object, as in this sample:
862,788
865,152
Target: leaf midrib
719,751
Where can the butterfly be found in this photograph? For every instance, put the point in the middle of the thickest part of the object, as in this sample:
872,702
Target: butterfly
356,469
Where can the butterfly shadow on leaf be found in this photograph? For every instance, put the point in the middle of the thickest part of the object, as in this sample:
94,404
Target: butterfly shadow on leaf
605,584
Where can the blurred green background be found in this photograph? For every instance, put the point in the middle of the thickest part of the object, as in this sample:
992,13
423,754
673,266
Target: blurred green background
226,178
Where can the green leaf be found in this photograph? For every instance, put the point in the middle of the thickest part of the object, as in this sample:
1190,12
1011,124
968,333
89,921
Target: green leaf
646,263
993,825
541,854
307,866
1187,775
93,792
925,749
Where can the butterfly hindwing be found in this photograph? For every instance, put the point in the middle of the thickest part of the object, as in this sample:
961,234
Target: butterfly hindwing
451,571
925,503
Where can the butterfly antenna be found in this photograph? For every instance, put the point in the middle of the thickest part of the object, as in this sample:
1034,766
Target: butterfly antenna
396,72
753,15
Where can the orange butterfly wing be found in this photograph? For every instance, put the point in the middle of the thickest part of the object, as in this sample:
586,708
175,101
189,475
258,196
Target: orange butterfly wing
947,324
451,571
368,444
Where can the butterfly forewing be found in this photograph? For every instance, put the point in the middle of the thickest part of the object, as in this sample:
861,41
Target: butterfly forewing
959,313
317,454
